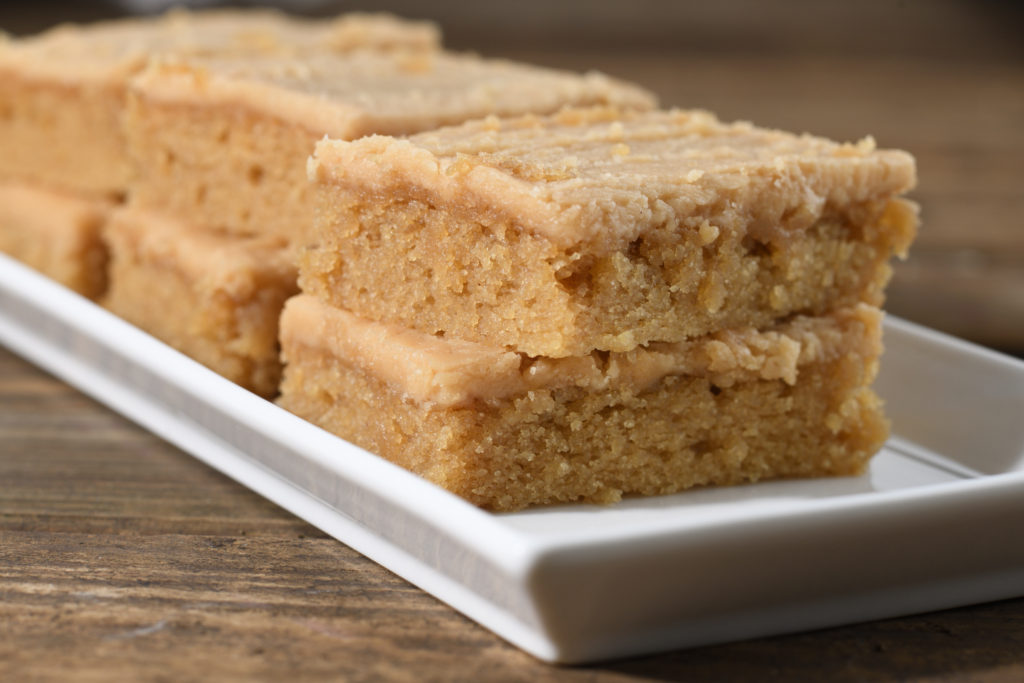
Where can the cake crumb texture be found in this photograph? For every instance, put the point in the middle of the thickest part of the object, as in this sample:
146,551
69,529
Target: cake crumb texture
564,441
216,298
57,233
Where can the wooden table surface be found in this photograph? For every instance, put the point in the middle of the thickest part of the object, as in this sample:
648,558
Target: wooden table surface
124,558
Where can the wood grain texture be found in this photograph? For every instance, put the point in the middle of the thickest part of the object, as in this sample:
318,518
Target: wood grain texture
122,558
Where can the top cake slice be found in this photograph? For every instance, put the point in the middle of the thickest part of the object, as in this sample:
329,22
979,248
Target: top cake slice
600,229
64,89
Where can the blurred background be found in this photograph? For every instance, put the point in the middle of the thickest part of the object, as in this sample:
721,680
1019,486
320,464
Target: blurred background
943,79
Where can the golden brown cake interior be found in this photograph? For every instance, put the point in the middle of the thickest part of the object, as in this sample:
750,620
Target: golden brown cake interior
57,233
216,298
737,406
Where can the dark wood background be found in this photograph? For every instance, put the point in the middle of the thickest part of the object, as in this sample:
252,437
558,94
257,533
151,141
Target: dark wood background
121,557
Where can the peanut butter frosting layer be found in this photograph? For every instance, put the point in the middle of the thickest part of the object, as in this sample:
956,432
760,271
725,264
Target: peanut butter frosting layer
113,50
603,177
452,373
392,93
236,265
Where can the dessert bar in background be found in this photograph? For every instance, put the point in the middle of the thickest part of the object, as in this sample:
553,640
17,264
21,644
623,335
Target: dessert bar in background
63,104
224,141
65,89
57,233
215,297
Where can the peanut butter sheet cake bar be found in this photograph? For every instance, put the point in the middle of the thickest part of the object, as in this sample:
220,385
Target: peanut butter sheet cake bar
223,141
598,303
57,233
62,107
63,92
215,297
505,430
601,229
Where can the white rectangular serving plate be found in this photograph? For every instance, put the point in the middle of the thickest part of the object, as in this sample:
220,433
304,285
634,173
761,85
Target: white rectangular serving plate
937,522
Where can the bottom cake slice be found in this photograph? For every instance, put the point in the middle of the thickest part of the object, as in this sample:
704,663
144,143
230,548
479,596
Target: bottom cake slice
214,297
57,233
506,431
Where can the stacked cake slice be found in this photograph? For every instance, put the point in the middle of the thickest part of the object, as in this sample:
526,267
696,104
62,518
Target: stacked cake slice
64,160
65,90
598,303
